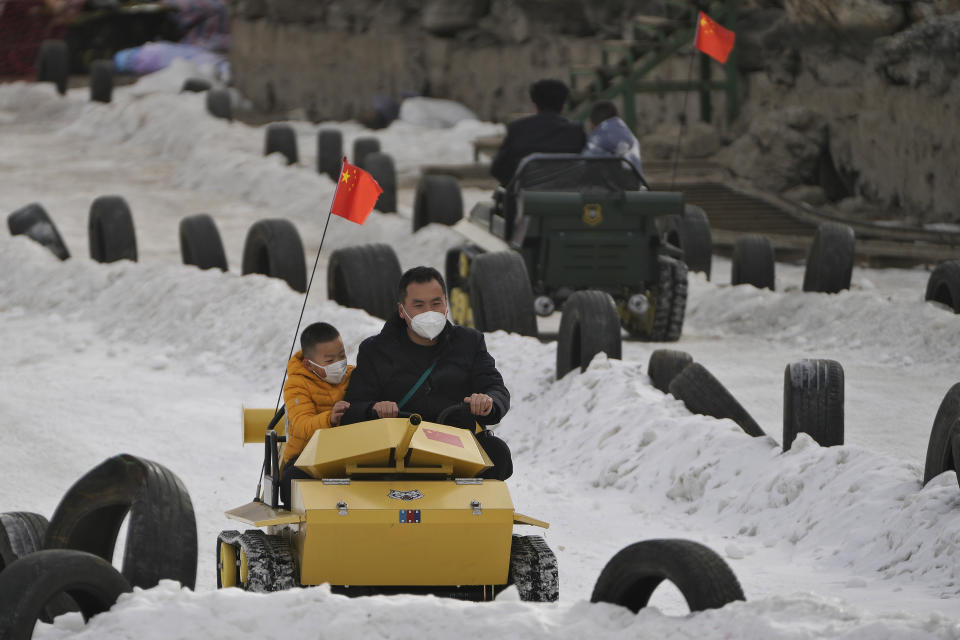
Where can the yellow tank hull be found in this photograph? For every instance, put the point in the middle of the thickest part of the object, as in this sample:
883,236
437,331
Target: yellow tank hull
392,503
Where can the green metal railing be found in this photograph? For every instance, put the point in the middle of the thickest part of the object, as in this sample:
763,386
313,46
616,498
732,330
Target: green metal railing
659,40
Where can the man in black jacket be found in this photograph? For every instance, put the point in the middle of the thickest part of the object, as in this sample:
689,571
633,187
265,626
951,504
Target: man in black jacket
420,362
545,132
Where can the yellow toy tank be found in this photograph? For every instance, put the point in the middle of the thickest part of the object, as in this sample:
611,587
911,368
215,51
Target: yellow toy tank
392,505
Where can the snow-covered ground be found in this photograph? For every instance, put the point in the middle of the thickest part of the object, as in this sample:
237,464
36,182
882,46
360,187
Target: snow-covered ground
154,359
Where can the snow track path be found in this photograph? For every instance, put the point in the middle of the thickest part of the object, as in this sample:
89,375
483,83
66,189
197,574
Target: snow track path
155,358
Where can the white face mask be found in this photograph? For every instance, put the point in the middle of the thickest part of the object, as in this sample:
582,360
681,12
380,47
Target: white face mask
428,324
335,371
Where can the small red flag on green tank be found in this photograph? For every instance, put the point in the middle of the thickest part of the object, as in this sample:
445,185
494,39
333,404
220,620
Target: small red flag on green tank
712,39
356,194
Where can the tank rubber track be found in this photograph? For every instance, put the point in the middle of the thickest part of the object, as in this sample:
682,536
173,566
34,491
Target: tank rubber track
270,562
671,300
533,569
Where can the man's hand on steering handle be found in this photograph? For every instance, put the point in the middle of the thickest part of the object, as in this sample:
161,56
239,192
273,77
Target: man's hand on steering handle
386,409
480,404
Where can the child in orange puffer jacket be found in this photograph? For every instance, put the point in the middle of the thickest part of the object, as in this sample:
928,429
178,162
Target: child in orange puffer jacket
317,379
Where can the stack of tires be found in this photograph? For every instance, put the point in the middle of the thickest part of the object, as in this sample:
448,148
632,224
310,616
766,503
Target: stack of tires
50,568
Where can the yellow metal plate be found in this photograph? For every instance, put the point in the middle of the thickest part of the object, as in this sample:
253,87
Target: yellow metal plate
253,424
258,514
342,451
370,545
519,518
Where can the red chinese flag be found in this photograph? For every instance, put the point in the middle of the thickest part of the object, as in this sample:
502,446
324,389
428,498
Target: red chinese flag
712,39
356,194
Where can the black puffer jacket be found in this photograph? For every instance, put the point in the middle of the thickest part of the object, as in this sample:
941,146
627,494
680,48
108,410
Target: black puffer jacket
390,363
545,132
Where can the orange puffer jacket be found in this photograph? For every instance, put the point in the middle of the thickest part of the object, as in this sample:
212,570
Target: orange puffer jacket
309,402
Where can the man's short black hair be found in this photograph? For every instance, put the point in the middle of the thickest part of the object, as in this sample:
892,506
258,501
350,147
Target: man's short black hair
317,333
603,110
549,94
418,275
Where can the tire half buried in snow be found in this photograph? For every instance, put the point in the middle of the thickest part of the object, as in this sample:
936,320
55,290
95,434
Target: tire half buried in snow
34,222
941,454
589,325
380,167
704,394
753,262
830,261
200,243
161,529
273,248
943,286
438,200
280,137
665,365
703,577
110,230
813,402
364,277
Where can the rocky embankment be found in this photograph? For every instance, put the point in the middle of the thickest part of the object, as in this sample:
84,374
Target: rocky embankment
847,103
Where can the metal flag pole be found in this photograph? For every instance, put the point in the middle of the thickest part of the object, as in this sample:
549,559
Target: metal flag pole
683,118
277,413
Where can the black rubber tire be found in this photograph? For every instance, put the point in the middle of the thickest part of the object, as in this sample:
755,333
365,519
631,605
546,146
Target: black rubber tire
589,325
200,243
219,104
21,532
362,147
381,167
940,455
753,262
665,365
943,286
110,230
161,528
195,85
279,137
830,261
702,576
813,402
438,201
34,222
101,81
705,395
663,322
27,585
500,294
53,64
365,277
329,152
273,248
691,232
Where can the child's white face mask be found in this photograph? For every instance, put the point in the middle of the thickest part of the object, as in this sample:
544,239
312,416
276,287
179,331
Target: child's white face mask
335,371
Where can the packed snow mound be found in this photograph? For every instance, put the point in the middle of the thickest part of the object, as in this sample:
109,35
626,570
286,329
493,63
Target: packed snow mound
152,119
167,612
898,329
434,113
209,319
847,506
